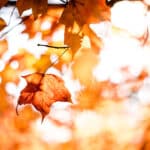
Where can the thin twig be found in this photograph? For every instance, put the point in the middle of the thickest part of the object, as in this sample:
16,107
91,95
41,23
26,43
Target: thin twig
13,3
10,18
146,36
57,47
65,2
5,33
53,63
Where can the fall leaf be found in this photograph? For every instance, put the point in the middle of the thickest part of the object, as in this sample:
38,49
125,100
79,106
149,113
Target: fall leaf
42,91
85,12
3,47
89,97
96,11
32,26
10,74
4,103
67,17
84,62
77,16
50,18
2,24
24,59
95,41
73,37
43,63
3,2
73,40
38,6
117,101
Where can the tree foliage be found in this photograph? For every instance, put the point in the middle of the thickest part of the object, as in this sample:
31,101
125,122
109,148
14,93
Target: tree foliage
101,86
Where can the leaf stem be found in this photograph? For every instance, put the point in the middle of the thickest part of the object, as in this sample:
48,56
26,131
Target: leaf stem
53,63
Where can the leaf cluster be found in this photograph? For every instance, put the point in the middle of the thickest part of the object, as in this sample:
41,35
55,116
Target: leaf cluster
97,111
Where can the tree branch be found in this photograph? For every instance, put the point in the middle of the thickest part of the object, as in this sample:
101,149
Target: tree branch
57,47
13,3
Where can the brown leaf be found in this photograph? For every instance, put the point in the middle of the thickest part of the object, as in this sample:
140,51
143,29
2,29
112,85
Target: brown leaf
2,24
67,17
51,17
42,91
73,36
91,11
38,6
85,12
23,5
77,16
73,40
32,26
3,2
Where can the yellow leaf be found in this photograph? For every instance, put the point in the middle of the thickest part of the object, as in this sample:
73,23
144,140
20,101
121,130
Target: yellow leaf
24,59
83,66
43,63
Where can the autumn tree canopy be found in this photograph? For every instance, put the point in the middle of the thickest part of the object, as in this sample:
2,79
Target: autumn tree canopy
80,66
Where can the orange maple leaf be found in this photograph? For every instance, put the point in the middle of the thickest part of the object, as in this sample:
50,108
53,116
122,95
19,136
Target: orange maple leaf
85,12
42,91
77,16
